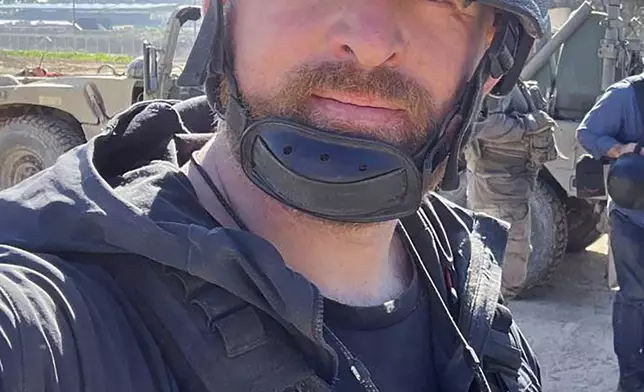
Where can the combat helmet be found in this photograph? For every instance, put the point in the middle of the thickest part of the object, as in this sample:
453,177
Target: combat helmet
373,181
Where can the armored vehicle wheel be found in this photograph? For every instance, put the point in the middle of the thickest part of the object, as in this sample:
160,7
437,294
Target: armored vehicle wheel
583,223
31,142
549,236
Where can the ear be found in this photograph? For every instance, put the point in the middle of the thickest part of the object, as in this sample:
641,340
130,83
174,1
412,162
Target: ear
489,85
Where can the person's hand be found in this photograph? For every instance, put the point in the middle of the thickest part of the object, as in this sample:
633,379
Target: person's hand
628,148
620,149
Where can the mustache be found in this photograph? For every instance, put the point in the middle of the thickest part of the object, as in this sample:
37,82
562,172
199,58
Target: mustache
382,83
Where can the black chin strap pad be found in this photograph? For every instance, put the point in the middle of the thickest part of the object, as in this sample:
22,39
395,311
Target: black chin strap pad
330,175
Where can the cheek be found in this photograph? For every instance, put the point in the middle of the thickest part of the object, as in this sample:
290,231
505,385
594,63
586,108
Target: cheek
271,39
441,71
446,54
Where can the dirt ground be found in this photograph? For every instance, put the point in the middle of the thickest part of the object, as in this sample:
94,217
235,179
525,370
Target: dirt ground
12,65
568,323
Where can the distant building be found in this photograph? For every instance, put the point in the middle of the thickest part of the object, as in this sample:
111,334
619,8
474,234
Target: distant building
93,16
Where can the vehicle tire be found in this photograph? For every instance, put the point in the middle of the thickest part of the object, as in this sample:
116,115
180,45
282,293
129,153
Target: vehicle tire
31,142
549,233
583,222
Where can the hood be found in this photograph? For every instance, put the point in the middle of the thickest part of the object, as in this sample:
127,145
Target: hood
118,194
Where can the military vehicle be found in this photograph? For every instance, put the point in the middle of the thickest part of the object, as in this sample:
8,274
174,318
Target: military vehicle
593,49
42,116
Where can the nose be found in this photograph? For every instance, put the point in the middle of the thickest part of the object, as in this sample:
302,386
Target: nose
368,33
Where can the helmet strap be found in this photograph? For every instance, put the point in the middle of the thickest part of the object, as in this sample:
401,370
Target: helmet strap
503,60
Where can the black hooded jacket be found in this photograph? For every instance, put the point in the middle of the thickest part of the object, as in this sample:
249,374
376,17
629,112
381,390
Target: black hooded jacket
114,278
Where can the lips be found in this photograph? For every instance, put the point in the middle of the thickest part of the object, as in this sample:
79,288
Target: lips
359,100
356,111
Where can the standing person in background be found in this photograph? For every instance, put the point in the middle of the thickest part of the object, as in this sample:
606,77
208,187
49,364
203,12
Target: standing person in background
511,142
612,128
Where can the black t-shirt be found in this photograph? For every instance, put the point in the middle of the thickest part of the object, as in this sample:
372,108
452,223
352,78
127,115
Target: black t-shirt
392,340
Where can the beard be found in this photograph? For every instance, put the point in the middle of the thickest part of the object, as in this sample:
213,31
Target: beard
385,84
422,116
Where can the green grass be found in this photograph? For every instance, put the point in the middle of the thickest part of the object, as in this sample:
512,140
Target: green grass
70,56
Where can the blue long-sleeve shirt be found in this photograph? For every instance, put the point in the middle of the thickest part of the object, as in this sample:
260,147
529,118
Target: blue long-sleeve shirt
615,118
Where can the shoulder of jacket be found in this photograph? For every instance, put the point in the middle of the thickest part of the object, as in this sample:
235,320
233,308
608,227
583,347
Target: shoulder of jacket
46,300
487,325
624,86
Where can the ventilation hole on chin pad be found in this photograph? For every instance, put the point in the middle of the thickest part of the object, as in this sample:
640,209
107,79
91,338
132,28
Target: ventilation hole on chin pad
324,157
363,167
347,49
288,150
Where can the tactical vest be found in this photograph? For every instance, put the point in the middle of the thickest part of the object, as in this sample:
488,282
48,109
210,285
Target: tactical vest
538,145
232,346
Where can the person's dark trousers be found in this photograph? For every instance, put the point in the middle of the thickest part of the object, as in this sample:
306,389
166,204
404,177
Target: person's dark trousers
627,245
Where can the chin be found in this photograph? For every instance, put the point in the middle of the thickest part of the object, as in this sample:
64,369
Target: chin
298,217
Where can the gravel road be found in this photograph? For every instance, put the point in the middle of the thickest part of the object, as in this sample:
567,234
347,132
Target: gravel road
568,323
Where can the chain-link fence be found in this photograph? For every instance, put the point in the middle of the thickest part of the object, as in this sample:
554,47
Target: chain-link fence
111,42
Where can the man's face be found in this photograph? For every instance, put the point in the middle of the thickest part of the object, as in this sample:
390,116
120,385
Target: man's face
381,69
